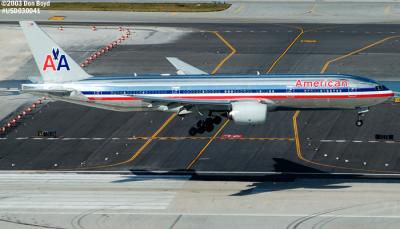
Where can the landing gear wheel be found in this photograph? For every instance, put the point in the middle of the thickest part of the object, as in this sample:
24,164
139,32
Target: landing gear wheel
217,120
359,123
193,131
200,123
209,127
209,124
201,130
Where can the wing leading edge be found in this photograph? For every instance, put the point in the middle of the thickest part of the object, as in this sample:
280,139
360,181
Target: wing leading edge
185,68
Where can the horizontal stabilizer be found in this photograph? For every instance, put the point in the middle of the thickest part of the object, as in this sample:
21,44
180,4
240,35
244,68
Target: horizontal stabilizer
9,91
185,68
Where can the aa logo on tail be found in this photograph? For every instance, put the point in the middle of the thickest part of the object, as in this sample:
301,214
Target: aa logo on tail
55,61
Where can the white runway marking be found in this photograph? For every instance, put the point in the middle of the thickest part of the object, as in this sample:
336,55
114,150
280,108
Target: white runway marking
167,138
87,191
358,141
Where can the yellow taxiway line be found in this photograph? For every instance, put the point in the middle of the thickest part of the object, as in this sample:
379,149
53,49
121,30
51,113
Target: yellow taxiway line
190,166
162,127
269,70
297,113
206,146
233,51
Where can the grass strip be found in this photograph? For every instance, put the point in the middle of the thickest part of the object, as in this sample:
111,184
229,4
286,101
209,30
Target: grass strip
138,7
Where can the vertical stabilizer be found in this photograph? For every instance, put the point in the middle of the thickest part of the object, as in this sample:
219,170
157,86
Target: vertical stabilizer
54,64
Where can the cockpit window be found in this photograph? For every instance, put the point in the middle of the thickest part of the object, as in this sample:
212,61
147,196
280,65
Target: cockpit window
381,88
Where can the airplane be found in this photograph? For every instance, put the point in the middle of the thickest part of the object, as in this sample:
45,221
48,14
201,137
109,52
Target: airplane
245,99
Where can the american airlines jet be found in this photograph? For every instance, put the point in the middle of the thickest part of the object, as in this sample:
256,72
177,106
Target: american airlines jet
246,99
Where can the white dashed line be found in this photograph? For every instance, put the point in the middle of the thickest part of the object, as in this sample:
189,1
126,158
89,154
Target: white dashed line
97,138
227,31
84,138
3,138
392,32
22,138
357,141
115,138
326,140
37,138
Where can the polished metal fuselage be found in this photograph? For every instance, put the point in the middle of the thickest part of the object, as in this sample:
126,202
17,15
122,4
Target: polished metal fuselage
278,91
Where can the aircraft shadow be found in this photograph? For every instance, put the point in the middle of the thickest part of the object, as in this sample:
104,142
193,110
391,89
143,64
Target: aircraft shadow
290,175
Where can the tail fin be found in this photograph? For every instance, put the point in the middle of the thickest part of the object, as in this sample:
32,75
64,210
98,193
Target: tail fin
54,64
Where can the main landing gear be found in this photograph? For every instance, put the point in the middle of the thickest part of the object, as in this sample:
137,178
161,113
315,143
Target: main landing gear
360,115
205,125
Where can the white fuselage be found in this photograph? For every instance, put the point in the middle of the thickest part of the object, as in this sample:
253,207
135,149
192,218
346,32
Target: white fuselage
279,91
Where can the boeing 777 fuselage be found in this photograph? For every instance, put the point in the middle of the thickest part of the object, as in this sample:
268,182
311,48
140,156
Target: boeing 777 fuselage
246,99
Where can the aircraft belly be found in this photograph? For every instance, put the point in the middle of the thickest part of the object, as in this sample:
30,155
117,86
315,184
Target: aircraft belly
349,103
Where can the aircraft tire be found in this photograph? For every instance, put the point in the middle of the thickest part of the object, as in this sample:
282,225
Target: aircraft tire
217,120
193,131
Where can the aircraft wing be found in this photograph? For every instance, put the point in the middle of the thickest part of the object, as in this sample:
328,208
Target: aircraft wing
189,104
159,100
185,68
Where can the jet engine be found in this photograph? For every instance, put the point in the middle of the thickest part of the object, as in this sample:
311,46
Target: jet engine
248,113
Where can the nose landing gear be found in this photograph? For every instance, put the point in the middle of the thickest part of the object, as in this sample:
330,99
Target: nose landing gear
205,125
360,115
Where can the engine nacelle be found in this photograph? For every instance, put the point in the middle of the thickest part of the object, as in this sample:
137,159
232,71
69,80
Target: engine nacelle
248,113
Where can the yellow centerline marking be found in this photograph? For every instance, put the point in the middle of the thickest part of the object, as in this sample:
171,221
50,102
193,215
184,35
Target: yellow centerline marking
151,139
233,51
308,41
154,136
297,113
300,155
56,18
140,150
206,146
286,50
206,138
326,65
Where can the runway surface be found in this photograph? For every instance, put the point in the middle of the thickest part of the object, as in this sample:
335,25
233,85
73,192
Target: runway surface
244,11
295,142
69,200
